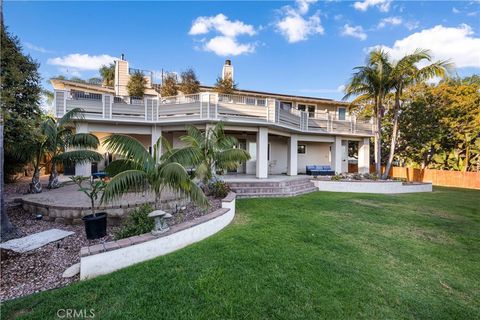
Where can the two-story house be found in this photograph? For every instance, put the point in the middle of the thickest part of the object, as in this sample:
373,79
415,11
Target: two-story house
283,133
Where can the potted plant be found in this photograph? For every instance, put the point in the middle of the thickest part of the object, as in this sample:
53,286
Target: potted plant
95,223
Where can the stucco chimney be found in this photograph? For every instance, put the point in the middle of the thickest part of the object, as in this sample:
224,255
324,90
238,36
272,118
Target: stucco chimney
227,71
121,77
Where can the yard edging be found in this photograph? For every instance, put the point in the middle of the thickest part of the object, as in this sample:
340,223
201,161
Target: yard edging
111,256
376,187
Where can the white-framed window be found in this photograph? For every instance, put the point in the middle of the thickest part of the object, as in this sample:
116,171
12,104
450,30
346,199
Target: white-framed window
285,105
302,149
252,149
310,108
342,113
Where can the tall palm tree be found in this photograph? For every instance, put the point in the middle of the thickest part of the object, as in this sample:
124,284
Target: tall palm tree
65,146
405,73
209,150
370,84
139,170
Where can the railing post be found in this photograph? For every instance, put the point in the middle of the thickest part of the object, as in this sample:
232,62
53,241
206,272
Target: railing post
216,105
145,102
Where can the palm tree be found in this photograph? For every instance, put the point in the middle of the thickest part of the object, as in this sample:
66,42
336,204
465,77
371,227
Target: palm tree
208,151
64,145
139,170
405,73
370,84
108,74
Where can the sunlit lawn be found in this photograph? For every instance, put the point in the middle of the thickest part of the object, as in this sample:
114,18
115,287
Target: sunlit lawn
322,255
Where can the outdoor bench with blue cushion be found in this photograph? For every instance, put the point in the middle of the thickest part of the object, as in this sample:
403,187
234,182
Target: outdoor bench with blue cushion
320,171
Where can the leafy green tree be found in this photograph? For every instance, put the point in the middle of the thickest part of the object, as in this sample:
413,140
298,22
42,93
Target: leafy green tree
136,85
169,86
138,169
209,151
189,83
63,145
225,86
108,74
20,101
403,74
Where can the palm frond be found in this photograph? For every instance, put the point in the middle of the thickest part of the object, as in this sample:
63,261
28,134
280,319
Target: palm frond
117,166
70,117
122,183
78,156
128,147
83,140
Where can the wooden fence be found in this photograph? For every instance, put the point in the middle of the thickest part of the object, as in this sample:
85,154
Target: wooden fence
459,179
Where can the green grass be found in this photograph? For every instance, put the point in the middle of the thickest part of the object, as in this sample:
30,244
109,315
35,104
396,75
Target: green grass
322,255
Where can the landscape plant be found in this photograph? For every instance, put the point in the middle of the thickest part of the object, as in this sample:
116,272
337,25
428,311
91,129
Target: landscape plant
139,171
108,74
189,83
225,86
169,86
136,85
93,190
136,223
208,151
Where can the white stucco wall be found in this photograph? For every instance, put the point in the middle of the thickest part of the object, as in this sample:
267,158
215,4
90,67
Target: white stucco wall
317,153
107,262
278,154
388,187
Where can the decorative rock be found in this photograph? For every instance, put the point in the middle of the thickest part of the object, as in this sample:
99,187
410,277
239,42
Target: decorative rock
71,271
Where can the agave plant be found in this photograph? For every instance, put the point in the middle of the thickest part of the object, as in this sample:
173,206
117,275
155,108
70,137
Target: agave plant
139,170
209,151
63,145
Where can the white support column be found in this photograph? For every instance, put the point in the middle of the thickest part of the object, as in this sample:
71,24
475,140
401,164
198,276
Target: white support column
292,159
262,153
156,134
364,155
337,155
85,168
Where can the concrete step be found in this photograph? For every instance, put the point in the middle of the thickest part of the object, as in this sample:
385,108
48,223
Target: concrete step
273,189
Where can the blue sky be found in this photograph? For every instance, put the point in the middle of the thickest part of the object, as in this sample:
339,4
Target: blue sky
305,47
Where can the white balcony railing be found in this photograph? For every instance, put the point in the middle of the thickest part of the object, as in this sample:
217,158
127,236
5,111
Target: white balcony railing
208,106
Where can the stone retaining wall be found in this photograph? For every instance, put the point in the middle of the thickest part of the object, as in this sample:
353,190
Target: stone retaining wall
110,256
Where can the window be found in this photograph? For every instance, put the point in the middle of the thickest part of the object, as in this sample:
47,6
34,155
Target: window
286,105
342,113
302,149
309,108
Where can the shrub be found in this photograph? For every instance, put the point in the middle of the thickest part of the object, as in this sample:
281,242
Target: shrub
136,223
336,177
357,176
219,189
371,176
136,85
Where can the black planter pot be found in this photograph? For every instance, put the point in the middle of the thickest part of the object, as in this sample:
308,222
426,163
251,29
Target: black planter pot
95,225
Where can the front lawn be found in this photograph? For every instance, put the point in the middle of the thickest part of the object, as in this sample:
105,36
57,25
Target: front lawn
321,255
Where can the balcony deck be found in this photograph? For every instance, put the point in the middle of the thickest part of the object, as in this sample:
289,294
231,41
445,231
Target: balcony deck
211,107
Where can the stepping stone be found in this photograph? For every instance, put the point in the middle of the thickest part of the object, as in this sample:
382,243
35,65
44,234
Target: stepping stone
35,241
71,271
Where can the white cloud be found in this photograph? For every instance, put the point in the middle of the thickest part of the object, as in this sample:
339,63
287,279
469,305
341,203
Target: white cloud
455,10
382,5
295,26
394,21
226,43
458,44
354,31
33,47
226,46
221,24
81,61
411,25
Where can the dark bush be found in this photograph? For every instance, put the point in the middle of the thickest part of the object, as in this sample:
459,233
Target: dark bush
136,223
219,189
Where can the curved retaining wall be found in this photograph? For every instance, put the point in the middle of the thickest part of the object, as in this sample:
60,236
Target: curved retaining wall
108,257
382,187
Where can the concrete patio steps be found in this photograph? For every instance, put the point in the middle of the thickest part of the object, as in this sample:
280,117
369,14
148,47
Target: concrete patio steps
287,188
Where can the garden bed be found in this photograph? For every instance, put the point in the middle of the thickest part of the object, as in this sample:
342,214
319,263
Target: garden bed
42,269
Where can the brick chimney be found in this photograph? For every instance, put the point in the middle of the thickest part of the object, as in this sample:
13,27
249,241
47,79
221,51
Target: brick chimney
227,71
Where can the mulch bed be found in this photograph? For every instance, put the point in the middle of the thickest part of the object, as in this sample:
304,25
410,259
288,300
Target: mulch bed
42,269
